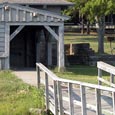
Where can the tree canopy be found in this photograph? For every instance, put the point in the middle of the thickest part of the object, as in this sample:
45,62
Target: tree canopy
93,8
95,11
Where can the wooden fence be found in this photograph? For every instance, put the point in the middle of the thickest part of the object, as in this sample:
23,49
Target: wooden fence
70,97
106,68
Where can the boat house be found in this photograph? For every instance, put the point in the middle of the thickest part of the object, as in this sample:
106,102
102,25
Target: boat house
30,30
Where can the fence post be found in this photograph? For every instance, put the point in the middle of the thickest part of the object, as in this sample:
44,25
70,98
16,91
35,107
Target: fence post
98,101
61,112
111,78
38,76
55,98
46,92
83,100
113,98
71,107
99,75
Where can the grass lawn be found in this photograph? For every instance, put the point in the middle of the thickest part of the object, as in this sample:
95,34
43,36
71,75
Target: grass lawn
91,39
82,73
16,98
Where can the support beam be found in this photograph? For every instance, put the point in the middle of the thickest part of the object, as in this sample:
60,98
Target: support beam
49,29
16,31
7,47
38,45
61,61
38,52
49,53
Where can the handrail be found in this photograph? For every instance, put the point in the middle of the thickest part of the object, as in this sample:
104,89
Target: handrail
51,74
54,77
53,94
107,68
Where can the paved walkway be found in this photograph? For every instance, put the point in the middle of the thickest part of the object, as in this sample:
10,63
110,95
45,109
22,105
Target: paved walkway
28,76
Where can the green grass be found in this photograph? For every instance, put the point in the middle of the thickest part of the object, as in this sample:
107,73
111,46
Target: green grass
81,73
16,98
84,73
91,39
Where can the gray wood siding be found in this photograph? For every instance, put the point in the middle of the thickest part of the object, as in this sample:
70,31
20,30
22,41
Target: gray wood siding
18,13
2,38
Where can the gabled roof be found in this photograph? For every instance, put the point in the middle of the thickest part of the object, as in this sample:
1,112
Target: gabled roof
39,2
19,13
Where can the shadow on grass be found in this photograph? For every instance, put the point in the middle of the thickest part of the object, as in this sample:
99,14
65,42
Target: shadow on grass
81,39
78,34
84,70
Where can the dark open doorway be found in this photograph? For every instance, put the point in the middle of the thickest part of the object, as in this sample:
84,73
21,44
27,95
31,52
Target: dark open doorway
23,47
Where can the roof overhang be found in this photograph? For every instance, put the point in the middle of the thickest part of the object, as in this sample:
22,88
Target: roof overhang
18,13
39,2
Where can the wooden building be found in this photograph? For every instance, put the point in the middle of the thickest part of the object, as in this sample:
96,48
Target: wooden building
28,28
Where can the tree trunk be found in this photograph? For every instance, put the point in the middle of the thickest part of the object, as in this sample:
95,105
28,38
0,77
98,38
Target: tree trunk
82,25
101,32
88,27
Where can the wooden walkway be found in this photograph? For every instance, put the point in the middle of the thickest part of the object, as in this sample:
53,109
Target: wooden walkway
76,98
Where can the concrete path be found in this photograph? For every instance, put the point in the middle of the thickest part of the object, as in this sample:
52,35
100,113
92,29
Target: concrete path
29,76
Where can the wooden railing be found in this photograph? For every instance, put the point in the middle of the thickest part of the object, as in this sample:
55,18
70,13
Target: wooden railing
70,97
108,69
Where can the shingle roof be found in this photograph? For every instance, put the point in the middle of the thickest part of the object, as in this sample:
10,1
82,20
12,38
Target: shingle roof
42,2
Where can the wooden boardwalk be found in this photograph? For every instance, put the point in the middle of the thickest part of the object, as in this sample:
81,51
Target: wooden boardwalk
106,101
73,97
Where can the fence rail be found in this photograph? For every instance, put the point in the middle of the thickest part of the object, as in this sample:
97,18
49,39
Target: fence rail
107,68
70,97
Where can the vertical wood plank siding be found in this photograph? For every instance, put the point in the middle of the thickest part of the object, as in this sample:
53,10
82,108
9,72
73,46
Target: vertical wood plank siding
2,38
24,14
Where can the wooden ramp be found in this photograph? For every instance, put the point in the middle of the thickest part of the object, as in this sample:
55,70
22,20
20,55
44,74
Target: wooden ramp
73,97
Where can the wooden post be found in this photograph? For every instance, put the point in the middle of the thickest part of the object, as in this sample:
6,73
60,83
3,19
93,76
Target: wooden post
38,52
71,106
3,14
49,53
38,76
99,75
38,46
98,101
61,112
46,92
83,100
111,78
61,62
113,98
7,63
7,47
71,49
55,99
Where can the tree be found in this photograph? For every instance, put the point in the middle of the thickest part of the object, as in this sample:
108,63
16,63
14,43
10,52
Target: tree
76,15
96,10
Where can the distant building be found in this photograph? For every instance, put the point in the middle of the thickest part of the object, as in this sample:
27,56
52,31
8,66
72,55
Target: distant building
29,31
